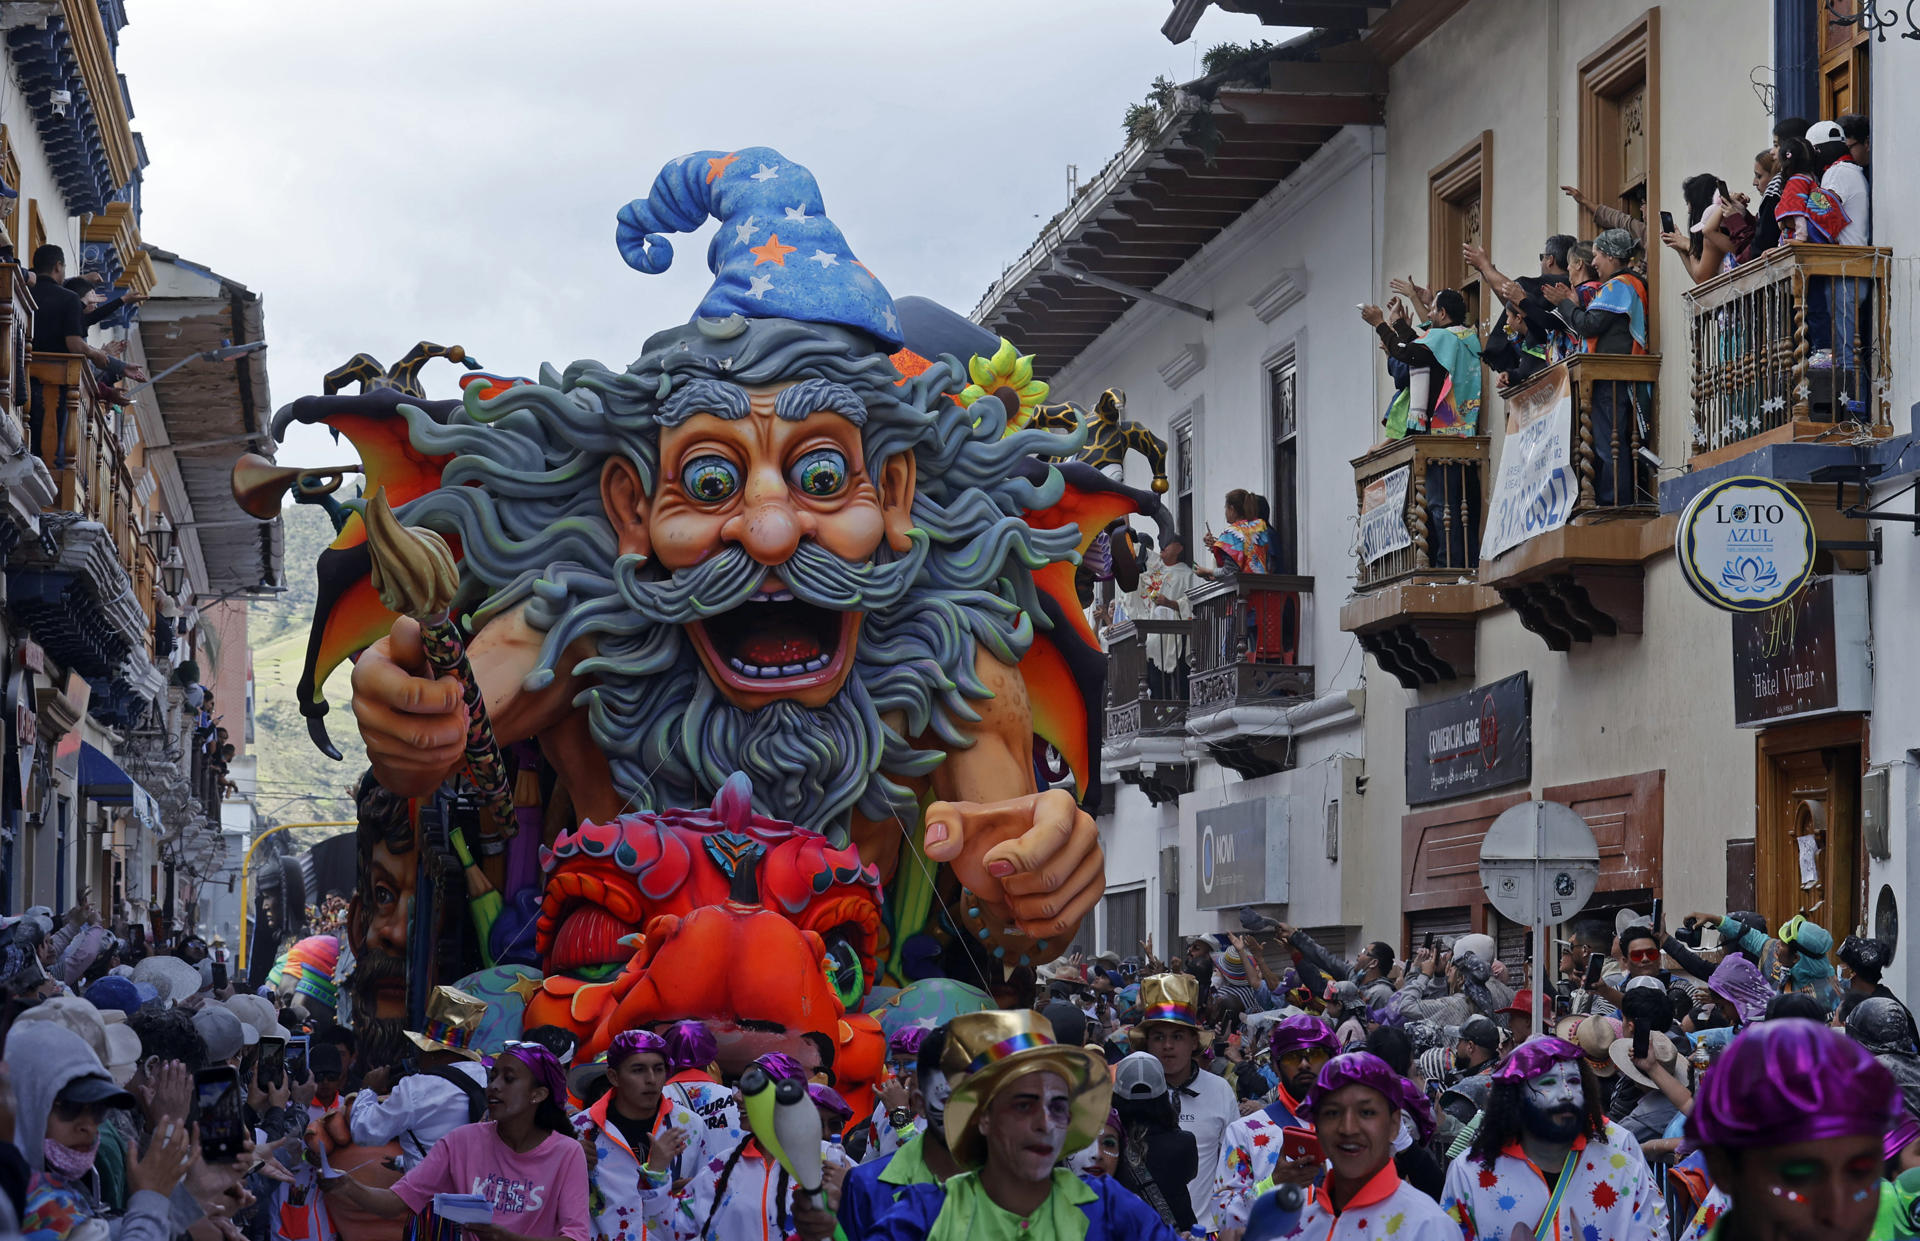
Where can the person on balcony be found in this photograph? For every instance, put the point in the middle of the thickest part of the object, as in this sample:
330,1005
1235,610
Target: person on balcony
1520,344
1846,181
60,326
1614,321
1243,547
1164,589
1718,227
1443,360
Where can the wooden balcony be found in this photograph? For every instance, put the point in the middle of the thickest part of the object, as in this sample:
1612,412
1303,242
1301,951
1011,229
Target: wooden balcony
1753,381
1422,503
78,437
1149,663
1249,653
1573,513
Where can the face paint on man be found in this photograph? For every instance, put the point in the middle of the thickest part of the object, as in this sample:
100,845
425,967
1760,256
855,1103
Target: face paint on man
936,1091
1554,1104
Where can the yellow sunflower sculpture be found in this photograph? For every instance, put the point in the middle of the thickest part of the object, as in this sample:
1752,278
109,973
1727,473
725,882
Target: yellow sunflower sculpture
1008,377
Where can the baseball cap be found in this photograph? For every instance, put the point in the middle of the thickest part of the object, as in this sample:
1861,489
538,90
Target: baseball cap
1480,1029
1139,1076
1822,132
224,1034
96,1088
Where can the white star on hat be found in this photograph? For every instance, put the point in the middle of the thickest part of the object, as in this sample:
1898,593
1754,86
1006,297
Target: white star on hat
893,324
798,213
743,232
824,259
758,286
767,173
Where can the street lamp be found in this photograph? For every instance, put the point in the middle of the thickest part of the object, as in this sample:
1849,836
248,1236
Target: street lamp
160,538
173,572
225,353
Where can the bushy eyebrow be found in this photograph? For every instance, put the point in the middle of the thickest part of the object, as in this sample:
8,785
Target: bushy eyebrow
704,396
813,396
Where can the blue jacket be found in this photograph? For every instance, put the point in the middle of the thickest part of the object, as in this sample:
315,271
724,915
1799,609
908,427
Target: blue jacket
872,1188
1114,1214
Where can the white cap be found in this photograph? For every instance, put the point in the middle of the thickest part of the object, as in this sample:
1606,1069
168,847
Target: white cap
1822,132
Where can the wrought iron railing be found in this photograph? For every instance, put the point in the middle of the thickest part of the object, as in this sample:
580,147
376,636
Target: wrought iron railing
1752,337
1251,641
1149,664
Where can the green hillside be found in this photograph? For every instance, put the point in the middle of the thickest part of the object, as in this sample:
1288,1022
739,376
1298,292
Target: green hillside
297,782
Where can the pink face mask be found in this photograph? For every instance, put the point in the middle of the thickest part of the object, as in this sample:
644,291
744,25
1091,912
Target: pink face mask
66,1162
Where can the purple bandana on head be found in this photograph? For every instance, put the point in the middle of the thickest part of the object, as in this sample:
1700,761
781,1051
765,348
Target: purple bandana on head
829,1098
1905,1131
1738,981
630,1043
1301,1032
1792,1080
906,1042
781,1067
1534,1057
541,1063
690,1045
1363,1068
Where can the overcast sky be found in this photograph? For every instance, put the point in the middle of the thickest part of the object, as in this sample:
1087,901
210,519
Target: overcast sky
387,172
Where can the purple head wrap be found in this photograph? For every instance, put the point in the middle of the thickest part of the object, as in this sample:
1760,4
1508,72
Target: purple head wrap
630,1043
829,1098
905,1043
782,1067
690,1045
1363,1068
1299,1032
541,1063
1795,1080
1534,1057
1738,981
1905,1131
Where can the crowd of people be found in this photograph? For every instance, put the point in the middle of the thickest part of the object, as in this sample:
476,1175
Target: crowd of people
1590,296
1765,1083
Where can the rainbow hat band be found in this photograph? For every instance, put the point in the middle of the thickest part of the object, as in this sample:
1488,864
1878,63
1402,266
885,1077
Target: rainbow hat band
1169,1012
453,1019
999,1051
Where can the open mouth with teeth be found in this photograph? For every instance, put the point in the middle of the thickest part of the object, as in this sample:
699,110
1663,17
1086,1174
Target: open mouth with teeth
775,643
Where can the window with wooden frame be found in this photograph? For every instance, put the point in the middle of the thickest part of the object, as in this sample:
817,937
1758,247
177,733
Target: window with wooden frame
36,234
1620,136
1457,212
1283,422
1843,68
10,173
1183,480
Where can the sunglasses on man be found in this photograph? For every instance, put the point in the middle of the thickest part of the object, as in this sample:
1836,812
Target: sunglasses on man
1643,955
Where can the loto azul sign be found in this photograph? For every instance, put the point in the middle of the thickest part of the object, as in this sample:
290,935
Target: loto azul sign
1746,544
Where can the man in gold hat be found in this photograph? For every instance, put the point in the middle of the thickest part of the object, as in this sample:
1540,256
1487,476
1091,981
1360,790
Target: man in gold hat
1170,1029
1023,1104
446,1091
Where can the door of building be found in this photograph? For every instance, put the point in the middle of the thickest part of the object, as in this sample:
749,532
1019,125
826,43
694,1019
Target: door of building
1808,847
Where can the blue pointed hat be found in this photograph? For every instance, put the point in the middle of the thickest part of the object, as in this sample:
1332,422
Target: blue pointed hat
776,255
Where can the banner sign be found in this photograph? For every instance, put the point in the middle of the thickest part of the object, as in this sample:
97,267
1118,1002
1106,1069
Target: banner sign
1383,515
1535,487
1470,743
1745,544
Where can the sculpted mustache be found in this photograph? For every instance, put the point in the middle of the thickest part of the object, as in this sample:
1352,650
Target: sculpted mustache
727,580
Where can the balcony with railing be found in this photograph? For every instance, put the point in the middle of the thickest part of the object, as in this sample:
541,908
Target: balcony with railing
25,481
1757,378
1573,510
1250,665
1149,665
1422,503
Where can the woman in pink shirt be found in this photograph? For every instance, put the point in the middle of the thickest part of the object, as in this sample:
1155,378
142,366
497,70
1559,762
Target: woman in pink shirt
525,1161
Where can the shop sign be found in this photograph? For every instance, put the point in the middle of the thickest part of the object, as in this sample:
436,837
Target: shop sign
1806,657
1534,488
1383,515
1746,544
1241,854
1471,742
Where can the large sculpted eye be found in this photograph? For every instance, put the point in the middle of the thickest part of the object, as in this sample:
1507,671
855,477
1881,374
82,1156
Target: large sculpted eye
711,479
820,473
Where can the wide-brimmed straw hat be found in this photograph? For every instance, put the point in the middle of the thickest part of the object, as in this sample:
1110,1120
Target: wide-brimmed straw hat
989,1051
453,1017
1171,999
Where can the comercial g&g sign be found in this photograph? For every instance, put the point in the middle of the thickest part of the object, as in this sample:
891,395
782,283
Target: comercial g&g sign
1746,544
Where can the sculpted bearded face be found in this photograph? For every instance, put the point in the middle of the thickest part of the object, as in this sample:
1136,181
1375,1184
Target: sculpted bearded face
780,466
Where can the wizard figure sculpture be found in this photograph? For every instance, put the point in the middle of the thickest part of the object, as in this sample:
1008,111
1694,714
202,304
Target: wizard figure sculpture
775,545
